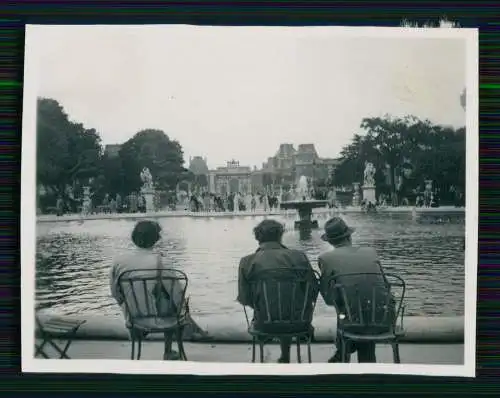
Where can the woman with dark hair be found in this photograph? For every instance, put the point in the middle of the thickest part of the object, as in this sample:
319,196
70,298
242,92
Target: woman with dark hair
145,235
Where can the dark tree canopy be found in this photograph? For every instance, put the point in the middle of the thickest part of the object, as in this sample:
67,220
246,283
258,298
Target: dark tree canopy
66,151
70,155
152,149
429,151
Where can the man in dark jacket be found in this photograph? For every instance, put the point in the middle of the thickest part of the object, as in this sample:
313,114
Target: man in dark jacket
270,255
349,259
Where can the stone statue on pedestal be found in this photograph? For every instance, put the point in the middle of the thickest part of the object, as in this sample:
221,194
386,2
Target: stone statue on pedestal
369,175
147,178
369,184
148,190
87,201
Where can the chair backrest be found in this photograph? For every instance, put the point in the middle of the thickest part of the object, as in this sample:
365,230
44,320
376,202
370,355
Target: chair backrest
367,303
153,293
284,297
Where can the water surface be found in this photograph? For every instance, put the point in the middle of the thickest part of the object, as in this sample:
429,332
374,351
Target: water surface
74,259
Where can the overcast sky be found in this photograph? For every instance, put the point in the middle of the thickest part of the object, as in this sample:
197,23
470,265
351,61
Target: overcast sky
227,93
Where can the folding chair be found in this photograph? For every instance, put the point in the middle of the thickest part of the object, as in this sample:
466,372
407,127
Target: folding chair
56,328
368,310
283,300
147,296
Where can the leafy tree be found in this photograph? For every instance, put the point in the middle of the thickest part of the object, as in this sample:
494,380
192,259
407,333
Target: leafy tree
430,151
67,153
153,149
114,175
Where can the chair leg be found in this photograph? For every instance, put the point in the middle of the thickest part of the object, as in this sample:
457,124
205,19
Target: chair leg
139,348
253,348
62,353
299,359
65,349
395,352
345,356
40,351
309,356
132,355
261,351
180,344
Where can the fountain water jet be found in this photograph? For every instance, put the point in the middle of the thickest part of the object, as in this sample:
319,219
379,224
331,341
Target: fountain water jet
304,205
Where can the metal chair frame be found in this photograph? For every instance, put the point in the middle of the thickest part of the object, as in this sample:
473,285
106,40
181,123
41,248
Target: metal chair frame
283,275
137,331
394,332
56,328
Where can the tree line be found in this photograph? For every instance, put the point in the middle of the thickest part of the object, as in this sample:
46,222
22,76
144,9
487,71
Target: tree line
406,152
71,156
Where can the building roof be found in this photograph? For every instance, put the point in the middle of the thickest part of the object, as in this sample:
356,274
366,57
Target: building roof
307,148
198,166
285,150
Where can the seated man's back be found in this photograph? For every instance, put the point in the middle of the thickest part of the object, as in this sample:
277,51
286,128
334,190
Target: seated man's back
364,283
282,268
351,260
358,290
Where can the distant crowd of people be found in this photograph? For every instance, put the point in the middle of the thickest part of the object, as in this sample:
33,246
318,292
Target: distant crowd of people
132,203
208,202
233,202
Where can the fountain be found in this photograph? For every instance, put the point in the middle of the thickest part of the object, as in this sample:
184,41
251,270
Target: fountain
304,204
148,190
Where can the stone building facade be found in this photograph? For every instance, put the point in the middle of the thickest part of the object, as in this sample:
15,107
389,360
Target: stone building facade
289,164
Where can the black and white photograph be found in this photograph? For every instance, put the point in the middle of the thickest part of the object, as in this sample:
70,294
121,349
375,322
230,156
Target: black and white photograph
269,200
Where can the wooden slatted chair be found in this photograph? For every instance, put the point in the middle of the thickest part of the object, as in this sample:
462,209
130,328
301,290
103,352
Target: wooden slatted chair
147,296
283,301
56,328
370,310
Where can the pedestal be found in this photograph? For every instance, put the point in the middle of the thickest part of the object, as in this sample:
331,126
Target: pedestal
149,194
356,200
369,194
305,219
86,202
304,208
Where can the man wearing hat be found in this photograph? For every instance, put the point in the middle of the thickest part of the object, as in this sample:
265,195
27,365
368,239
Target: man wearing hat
348,259
270,255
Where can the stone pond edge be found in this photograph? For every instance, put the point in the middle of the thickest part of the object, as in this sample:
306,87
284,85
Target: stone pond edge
224,329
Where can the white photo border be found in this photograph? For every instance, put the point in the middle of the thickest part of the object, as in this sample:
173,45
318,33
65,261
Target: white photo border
28,231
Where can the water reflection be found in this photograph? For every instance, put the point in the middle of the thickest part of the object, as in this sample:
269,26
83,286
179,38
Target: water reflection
73,260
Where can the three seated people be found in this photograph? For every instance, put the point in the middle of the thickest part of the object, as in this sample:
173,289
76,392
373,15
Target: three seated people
270,255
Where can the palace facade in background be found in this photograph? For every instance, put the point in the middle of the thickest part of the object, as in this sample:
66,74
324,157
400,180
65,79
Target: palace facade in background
284,168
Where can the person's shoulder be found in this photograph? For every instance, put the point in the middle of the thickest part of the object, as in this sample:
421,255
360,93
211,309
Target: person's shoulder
297,253
326,254
368,250
120,265
247,259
